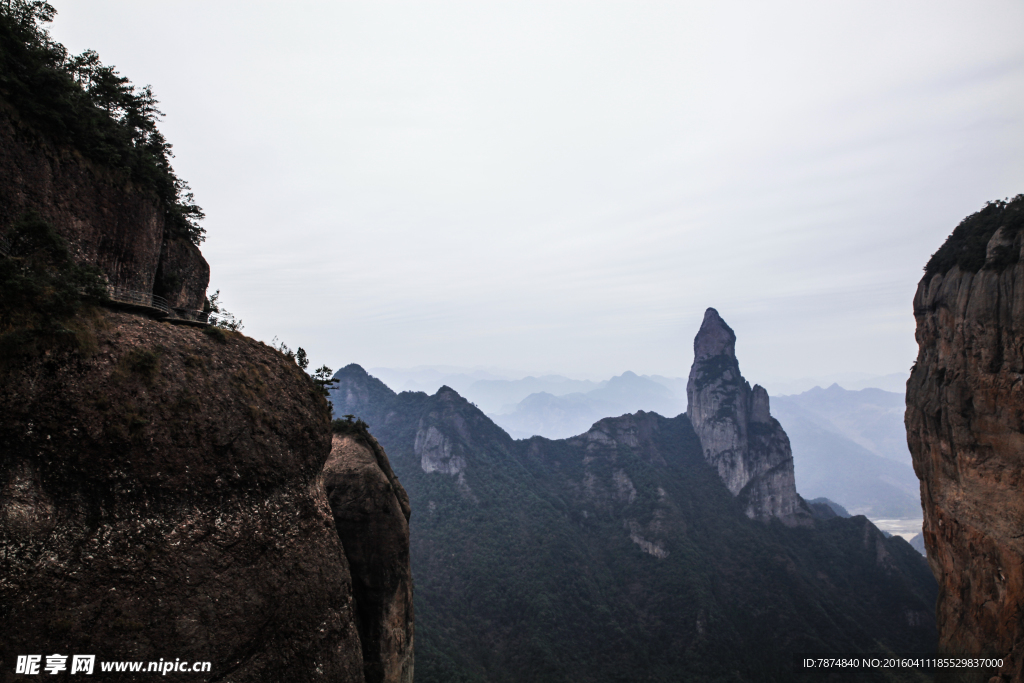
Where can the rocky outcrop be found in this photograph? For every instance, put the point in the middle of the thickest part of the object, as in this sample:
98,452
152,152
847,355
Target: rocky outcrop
162,497
965,429
607,487
739,436
371,513
435,452
182,275
107,221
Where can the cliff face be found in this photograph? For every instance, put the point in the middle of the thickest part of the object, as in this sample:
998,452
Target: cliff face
371,513
965,429
106,221
740,438
163,491
162,497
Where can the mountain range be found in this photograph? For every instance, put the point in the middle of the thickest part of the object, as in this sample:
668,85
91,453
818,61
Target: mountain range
623,553
851,447
848,446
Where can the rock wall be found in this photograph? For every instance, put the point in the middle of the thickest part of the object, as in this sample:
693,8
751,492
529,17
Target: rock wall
162,497
739,436
371,513
965,429
106,220
182,274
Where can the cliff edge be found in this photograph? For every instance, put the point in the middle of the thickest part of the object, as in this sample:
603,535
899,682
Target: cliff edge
965,429
371,513
161,498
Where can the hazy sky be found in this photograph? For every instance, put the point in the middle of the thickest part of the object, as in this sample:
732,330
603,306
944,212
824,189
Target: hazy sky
566,186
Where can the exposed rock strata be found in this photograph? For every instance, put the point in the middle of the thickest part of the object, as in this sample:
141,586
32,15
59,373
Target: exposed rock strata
106,220
371,512
162,498
739,436
965,429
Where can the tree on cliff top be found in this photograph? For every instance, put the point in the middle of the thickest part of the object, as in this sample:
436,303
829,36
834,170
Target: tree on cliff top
966,247
75,100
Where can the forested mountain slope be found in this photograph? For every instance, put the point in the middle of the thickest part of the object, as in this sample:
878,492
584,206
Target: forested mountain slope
619,555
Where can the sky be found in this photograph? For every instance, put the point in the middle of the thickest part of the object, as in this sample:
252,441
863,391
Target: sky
565,187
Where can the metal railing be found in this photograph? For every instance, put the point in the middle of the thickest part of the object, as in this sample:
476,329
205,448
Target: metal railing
192,316
137,297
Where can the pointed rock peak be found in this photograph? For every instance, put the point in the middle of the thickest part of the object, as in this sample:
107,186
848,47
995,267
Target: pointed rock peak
714,338
737,433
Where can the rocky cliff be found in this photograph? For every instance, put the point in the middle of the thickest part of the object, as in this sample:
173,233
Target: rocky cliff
106,220
163,489
161,498
965,429
371,513
738,435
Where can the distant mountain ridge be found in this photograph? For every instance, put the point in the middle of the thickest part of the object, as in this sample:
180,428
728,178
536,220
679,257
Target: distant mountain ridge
871,418
847,447
561,416
502,396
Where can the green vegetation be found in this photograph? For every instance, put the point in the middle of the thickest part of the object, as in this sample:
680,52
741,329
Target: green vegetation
75,100
322,379
967,245
219,316
299,356
350,425
44,292
321,376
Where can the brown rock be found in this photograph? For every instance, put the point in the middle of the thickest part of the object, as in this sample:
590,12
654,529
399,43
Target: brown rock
371,513
182,275
107,220
965,429
162,498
